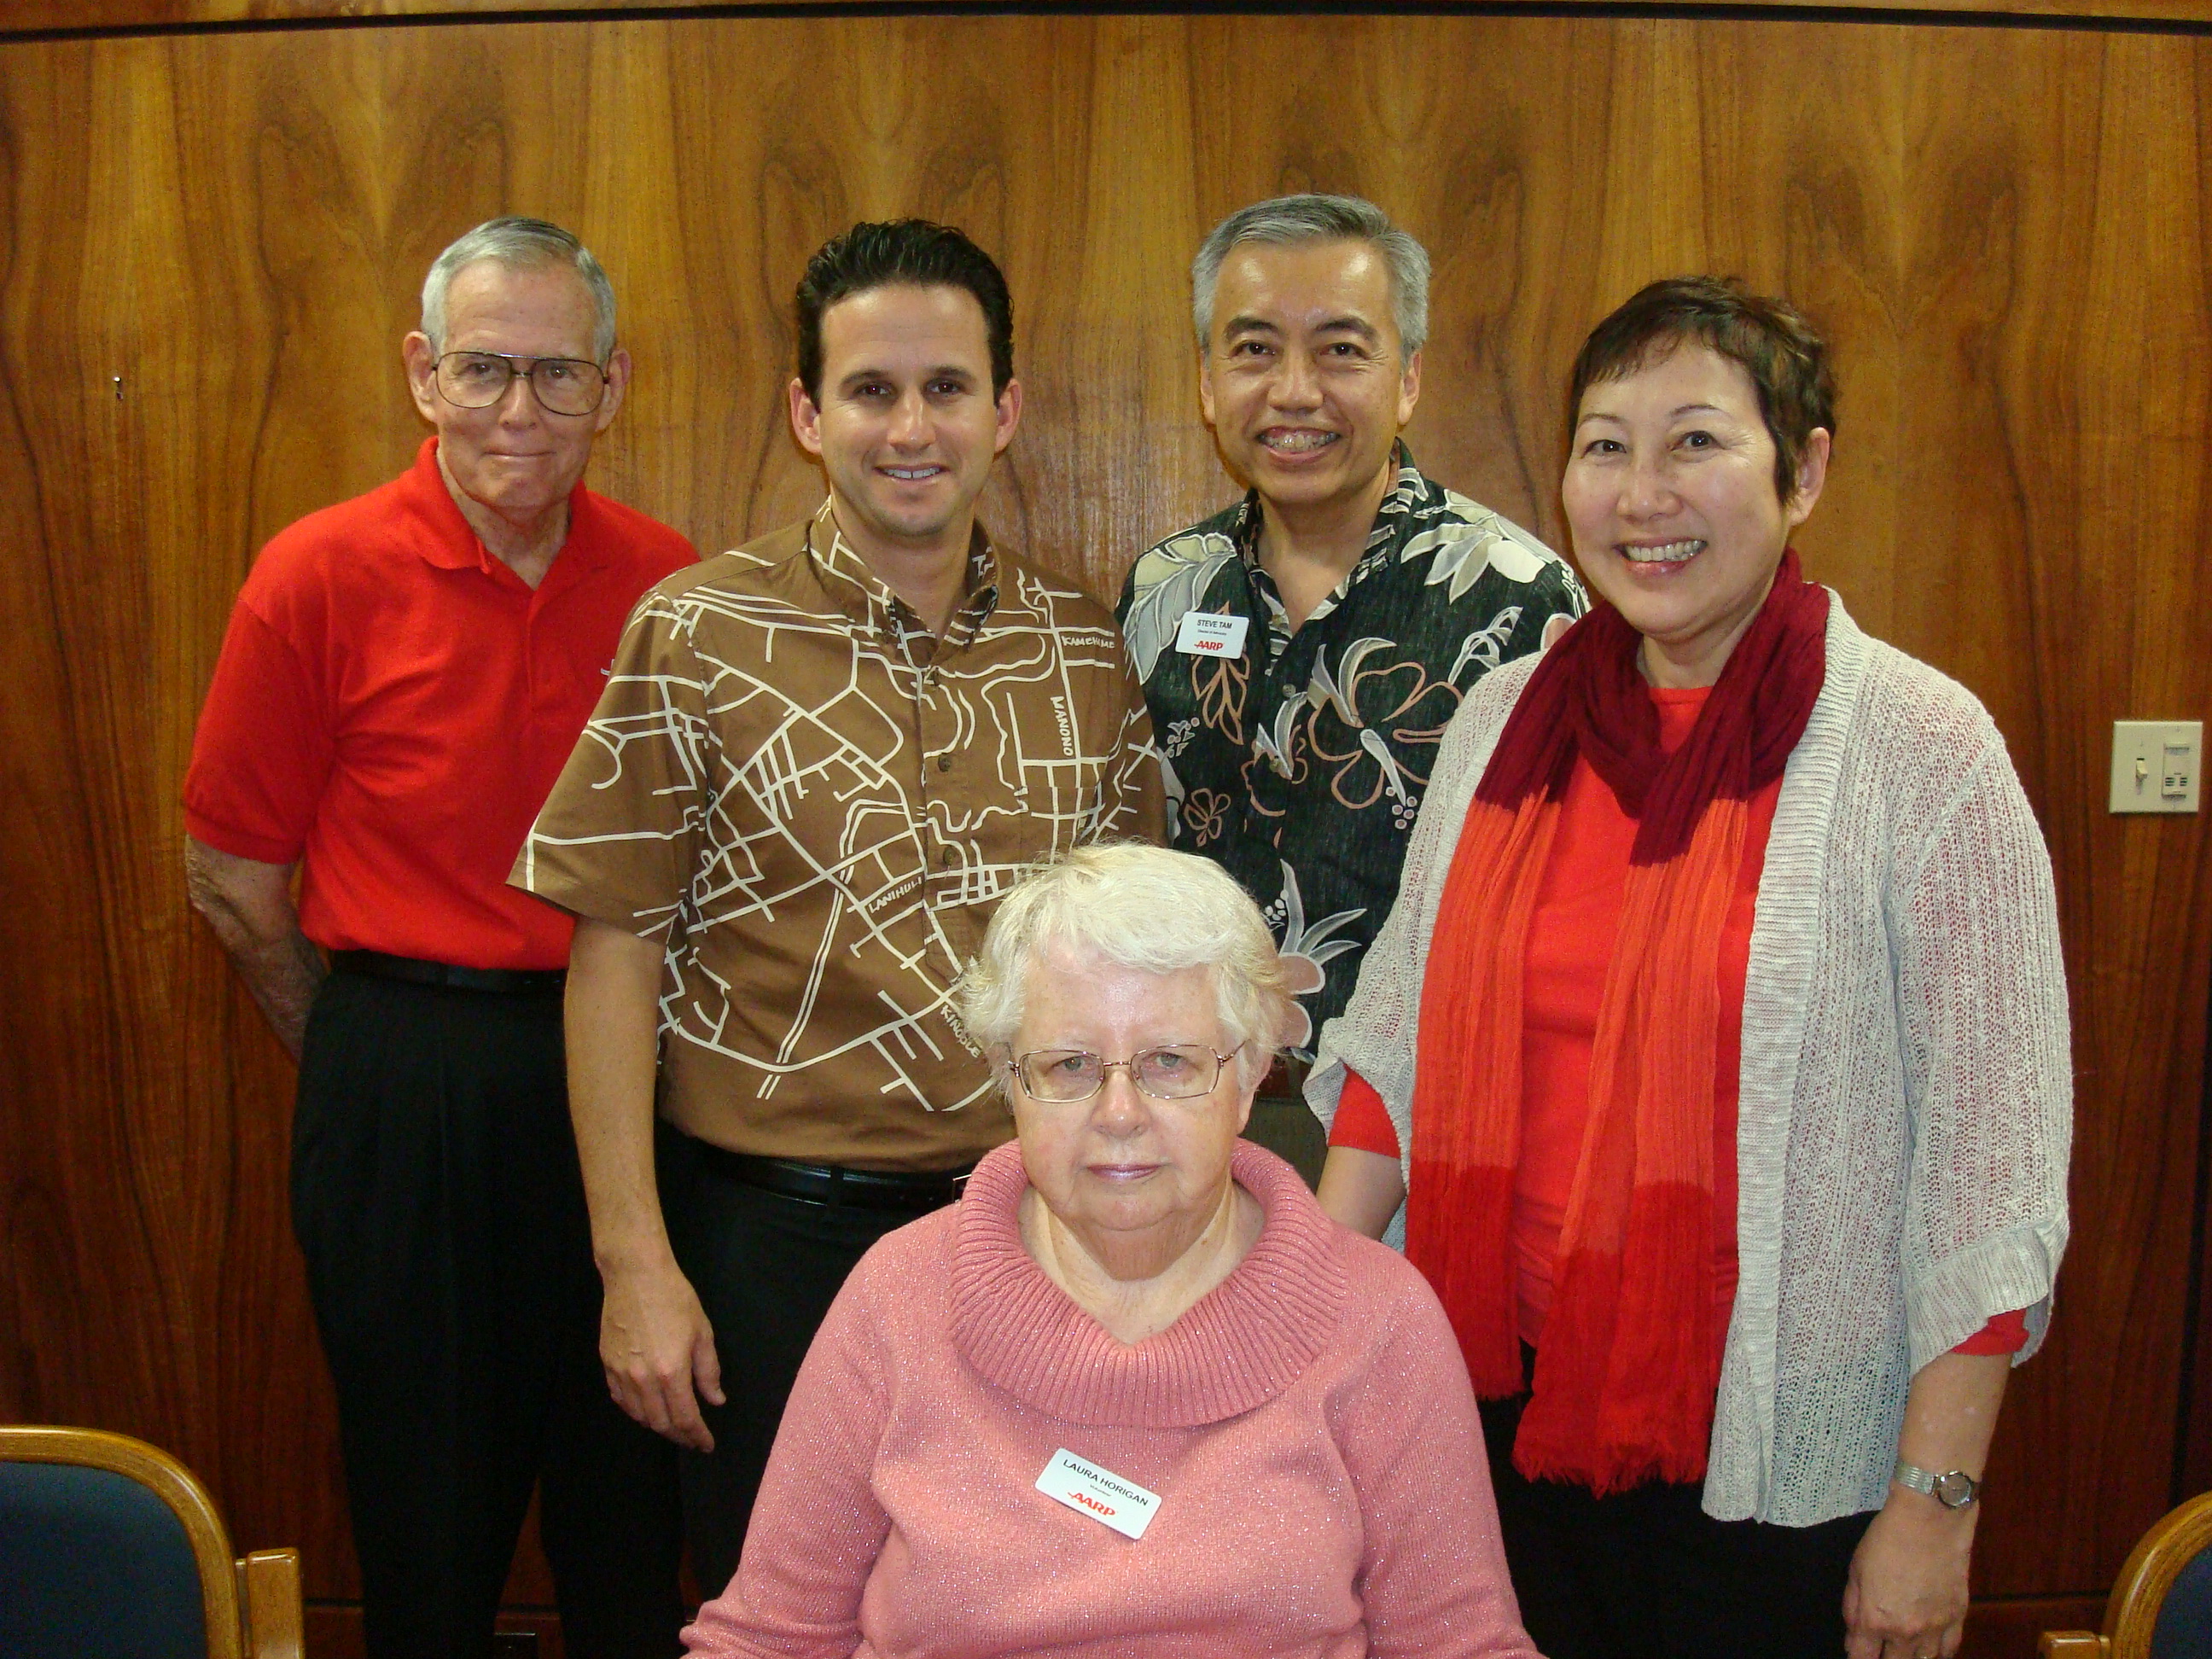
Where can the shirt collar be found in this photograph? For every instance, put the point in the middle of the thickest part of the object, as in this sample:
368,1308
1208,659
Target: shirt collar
869,603
447,540
1393,518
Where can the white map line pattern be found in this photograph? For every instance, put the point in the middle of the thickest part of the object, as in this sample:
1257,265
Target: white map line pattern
786,758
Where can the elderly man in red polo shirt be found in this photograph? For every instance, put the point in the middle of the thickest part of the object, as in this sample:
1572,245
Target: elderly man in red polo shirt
404,676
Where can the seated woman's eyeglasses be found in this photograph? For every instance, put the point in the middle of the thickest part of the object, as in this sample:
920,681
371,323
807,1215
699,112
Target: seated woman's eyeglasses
563,386
1062,1077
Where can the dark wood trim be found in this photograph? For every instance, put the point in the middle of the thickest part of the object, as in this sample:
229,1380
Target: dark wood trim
48,20
2193,1443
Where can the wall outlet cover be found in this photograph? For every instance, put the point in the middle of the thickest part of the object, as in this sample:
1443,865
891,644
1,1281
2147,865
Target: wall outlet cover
2158,766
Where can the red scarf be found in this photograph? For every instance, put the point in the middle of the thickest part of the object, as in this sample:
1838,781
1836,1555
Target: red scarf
1630,1363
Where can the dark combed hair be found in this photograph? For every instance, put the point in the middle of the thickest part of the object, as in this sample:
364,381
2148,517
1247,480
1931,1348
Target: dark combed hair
1769,338
911,251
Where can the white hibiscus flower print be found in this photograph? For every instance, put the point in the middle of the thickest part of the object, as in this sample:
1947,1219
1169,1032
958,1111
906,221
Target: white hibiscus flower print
1305,950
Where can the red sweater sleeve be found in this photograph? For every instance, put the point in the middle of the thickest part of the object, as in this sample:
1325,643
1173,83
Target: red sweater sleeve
1362,1121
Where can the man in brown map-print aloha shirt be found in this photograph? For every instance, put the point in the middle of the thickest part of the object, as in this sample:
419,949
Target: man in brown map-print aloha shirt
1298,727
819,764
818,805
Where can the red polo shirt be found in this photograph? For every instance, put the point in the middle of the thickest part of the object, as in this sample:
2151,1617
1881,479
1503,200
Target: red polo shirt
392,704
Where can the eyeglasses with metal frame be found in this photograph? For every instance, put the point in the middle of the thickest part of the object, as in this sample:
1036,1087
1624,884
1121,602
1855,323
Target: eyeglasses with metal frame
1068,1077
563,386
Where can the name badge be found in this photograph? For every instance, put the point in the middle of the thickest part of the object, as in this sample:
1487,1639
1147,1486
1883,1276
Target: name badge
1202,634
1089,1490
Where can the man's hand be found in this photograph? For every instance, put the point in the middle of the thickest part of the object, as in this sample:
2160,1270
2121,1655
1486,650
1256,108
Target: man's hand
657,1345
1907,1595
248,907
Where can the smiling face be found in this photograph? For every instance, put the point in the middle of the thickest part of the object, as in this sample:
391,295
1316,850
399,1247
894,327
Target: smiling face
1130,1176
1669,491
907,427
1304,380
514,459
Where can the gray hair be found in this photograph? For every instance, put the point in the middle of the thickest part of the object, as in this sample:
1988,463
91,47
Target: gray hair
1139,907
519,244
1291,220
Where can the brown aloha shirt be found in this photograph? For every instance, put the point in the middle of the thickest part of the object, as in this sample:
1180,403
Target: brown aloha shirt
1298,764
818,805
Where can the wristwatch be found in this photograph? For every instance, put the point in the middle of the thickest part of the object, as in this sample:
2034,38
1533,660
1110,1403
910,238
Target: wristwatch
1953,1489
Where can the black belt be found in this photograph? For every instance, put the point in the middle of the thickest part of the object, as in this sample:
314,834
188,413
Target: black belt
507,981
833,1184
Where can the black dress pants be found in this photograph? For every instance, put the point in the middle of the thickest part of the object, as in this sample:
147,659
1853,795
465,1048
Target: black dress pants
766,1267
1647,1574
436,1195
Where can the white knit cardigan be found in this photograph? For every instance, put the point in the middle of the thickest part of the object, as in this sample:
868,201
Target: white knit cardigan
1906,1102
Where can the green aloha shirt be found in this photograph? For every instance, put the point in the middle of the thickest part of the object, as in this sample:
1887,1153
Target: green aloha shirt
1298,763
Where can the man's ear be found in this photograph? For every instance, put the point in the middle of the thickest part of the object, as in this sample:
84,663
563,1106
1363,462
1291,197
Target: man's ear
422,374
619,368
805,419
1009,417
1409,389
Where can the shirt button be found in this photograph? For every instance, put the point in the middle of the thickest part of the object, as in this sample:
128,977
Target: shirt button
951,855
945,763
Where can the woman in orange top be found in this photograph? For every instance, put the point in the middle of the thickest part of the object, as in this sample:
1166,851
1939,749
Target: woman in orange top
1719,1037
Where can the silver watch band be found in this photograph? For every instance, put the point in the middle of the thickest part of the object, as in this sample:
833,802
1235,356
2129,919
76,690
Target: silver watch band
1953,1489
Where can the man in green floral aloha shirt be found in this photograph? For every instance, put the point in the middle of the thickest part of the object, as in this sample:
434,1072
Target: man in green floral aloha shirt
1302,651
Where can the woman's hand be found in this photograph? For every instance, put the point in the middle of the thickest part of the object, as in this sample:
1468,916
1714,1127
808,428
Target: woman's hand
1907,1595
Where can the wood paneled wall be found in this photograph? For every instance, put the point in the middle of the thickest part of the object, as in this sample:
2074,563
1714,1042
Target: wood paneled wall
209,247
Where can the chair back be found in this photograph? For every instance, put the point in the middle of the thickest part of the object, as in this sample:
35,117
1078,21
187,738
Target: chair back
2161,1604
2184,1630
109,1546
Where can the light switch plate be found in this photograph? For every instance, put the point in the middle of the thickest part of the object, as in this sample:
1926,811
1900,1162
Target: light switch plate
2157,765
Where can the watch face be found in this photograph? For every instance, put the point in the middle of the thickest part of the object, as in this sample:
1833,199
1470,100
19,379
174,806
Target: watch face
1955,1489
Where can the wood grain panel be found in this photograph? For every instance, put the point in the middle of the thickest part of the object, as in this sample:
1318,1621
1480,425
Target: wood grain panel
2004,230
2079,383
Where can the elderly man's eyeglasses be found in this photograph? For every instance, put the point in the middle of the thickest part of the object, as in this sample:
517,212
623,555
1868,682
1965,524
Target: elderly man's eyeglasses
1064,1077
563,386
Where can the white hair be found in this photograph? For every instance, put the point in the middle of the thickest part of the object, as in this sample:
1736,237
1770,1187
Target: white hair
1138,906
1292,220
519,244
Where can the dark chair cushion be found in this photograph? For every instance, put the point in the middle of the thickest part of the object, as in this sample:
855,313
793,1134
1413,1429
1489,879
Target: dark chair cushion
2184,1618
91,1562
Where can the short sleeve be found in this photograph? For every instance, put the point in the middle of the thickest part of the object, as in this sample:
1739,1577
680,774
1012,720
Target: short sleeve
620,837
1135,803
263,752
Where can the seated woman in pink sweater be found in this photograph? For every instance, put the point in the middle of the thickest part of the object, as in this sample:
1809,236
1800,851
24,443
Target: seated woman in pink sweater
1134,1394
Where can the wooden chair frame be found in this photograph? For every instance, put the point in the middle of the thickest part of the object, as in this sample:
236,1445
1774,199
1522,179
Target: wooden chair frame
251,1603
2132,1609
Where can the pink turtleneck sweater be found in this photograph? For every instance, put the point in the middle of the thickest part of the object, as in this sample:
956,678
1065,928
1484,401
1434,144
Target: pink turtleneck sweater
1308,1427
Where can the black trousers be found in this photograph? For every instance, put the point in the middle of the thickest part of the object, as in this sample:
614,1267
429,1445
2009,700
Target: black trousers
1647,1574
436,1194
766,1268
